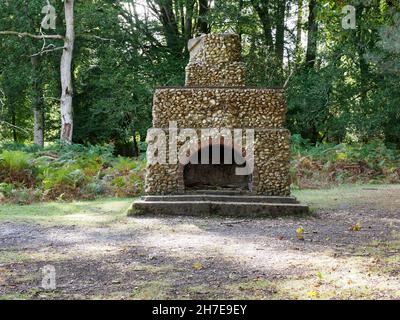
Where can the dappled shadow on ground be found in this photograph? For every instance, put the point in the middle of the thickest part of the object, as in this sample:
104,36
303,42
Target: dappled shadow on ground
184,257
133,273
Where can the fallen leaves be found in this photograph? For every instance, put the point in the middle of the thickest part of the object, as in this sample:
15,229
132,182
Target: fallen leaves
349,282
300,233
356,227
313,294
197,266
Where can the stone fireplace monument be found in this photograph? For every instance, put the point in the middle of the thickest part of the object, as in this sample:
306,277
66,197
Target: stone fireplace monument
215,96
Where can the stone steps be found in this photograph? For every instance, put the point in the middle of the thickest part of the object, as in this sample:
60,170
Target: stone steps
243,206
226,192
220,198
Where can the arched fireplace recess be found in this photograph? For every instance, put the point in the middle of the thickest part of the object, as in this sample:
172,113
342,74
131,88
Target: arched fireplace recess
202,173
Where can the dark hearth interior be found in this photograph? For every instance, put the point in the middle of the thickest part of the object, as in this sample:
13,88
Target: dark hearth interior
203,176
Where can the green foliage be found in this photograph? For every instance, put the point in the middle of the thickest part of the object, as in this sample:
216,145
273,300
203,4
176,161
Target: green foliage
343,110
95,188
65,176
6,188
12,146
375,154
79,172
124,165
327,164
73,151
16,167
15,161
68,172
348,95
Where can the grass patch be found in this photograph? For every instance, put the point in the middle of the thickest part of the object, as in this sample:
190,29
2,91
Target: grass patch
386,257
258,289
13,256
108,211
149,268
153,290
351,195
15,296
98,213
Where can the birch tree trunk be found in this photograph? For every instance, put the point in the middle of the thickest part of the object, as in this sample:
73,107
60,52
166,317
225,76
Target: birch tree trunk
66,74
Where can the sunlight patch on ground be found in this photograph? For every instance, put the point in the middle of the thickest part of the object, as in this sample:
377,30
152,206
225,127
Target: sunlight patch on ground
350,279
153,290
159,224
350,195
14,256
84,213
88,219
163,250
341,277
95,249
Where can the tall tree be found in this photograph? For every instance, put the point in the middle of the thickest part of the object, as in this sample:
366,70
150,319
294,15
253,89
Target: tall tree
38,106
203,26
311,53
299,30
66,74
65,66
262,7
280,31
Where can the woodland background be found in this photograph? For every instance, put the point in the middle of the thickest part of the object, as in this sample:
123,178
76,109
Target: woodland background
342,85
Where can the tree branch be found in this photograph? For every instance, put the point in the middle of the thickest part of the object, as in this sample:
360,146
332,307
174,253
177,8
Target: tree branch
30,35
91,36
15,127
47,51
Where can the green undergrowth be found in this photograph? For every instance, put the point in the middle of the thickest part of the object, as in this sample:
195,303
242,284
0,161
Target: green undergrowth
67,172
327,165
30,174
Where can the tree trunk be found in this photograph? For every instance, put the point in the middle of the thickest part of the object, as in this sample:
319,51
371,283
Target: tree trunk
262,9
362,44
239,19
14,125
280,32
299,28
38,128
189,4
136,152
202,21
38,110
66,74
311,54
170,25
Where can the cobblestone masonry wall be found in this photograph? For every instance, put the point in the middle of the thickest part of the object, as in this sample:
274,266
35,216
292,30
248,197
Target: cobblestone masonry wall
215,60
215,96
270,177
219,107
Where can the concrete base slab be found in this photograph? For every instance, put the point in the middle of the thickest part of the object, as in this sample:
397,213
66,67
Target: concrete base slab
218,205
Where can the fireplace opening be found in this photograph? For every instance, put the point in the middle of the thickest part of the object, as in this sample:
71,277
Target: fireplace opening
219,176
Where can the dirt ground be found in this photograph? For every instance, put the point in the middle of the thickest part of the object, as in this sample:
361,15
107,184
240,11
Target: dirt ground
350,250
